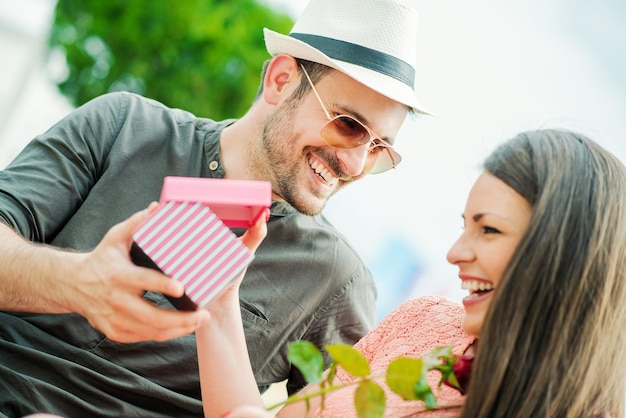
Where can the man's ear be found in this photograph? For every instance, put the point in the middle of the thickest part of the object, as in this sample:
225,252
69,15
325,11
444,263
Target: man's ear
281,78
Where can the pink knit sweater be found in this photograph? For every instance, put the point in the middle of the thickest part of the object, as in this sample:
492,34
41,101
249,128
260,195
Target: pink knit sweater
412,329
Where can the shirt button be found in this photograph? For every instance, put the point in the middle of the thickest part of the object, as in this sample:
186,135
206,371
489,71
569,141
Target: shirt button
213,165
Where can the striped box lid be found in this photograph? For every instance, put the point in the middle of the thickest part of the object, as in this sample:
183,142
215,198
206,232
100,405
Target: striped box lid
189,243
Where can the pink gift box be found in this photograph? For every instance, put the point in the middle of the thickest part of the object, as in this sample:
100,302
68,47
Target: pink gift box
186,239
238,203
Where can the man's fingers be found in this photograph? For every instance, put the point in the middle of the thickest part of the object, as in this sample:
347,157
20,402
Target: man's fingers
146,279
131,317
145,321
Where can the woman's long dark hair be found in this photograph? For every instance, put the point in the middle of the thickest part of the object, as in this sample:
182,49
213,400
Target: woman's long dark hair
554,340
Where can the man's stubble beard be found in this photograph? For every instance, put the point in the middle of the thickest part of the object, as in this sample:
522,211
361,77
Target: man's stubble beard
276,161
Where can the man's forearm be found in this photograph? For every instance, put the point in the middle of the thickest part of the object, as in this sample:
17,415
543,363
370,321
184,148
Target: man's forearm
30,275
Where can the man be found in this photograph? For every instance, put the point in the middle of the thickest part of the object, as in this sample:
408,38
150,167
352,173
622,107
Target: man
85,332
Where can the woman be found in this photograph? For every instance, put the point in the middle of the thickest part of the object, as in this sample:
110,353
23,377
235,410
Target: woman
543,256
552,343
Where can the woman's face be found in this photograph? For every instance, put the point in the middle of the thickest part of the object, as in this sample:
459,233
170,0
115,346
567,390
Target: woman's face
495,219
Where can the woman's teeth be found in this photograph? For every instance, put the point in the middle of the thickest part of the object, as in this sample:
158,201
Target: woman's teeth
476,286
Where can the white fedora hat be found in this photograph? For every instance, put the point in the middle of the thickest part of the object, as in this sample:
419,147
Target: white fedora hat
372,41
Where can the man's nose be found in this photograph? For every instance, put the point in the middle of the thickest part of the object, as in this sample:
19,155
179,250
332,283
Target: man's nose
353,160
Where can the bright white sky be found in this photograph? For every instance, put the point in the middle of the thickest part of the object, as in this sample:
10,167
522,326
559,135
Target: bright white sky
488,69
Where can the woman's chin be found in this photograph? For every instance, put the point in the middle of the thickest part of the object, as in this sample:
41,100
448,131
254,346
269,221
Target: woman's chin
472,323
475,311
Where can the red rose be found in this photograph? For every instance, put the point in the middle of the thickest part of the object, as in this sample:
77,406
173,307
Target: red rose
462,370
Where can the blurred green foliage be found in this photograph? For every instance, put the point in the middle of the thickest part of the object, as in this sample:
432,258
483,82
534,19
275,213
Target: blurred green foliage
204,56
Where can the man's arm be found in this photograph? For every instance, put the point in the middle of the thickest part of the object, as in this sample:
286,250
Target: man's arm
102,285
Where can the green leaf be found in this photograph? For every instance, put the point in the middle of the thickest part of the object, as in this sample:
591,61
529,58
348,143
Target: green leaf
403,374
442,359
349,358
308,359
204,56
450,377
434,358
424,393
331,373
369,400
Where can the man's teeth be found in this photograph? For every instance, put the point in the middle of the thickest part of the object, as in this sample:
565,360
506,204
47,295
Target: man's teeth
322,171
475,286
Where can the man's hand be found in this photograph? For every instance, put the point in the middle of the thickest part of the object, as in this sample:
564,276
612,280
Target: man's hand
103,285
109,293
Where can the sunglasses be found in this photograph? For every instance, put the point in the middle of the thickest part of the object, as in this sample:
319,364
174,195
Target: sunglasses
346,132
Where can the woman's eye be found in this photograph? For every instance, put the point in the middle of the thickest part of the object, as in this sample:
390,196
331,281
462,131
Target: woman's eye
490,230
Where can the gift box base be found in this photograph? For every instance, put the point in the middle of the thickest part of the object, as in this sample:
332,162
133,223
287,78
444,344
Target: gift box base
140,258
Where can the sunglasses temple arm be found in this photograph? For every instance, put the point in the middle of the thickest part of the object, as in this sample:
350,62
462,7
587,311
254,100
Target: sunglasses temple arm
319,99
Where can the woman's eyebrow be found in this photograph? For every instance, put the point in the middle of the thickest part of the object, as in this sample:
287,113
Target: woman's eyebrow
475,217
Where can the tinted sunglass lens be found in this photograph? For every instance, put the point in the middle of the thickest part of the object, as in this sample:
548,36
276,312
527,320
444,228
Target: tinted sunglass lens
381,160
345,132
378,163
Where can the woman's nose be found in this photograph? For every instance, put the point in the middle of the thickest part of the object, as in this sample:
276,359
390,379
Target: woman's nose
460,251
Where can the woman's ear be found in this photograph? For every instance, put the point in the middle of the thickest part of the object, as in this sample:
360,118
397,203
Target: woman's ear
281,78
